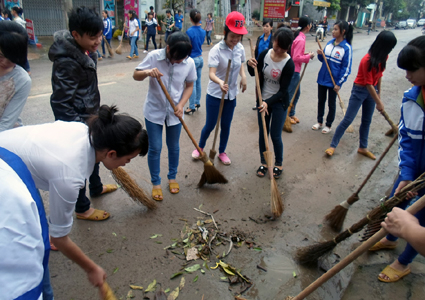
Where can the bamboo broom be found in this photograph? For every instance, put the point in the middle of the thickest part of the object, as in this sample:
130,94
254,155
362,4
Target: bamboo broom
310,254
119,48
111,52
220,111
336,217
276,199
131,188
108,294
211,175
415,208
160,42
350,128
394,128
287,125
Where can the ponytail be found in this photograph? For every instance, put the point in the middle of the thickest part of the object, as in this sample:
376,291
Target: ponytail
18,10
122,133
348,28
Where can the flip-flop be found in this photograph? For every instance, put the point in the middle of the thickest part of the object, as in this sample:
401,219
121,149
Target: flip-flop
393,274
97,215
156,193
296,119
367,154
175,186
329,151
262,169
109,188
316,126
380,246
292,120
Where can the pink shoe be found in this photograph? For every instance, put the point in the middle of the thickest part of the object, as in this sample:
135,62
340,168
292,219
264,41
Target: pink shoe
224,158
196,154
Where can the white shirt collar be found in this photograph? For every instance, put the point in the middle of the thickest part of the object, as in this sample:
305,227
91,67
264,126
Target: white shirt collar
162,55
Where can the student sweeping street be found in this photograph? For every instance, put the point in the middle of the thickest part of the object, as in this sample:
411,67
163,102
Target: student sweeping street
366,92
151,31
209,28
178,73
338,53
229,48
411,151
275,68
61,155
76,97
15,83
107,31
299,57
197,37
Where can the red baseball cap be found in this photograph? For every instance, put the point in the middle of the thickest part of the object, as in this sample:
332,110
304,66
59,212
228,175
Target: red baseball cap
236,21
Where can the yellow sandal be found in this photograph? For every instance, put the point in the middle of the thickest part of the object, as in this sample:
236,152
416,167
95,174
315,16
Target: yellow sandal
157,194
330,151
393,274
174,186
367,154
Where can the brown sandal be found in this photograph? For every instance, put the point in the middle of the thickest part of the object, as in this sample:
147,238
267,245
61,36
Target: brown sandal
330,151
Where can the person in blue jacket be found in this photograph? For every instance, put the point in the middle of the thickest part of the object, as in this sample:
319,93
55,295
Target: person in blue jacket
179,19
151,30
107,31
338,53
411,151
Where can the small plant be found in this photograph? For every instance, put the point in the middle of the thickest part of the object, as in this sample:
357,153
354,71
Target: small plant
256,14
161,18
117,33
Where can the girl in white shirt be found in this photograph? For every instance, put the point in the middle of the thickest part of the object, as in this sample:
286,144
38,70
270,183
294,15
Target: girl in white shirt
178,73
133,34
229,48
62,155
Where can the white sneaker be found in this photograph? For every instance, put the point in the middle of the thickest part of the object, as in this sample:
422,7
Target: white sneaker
144,51
326,130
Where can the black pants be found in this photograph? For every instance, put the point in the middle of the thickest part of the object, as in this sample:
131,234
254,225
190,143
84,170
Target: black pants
153,40
96,188
322,90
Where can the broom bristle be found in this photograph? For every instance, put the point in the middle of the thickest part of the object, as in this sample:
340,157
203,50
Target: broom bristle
213,175
390,132
310,254
335,219
212,154
350,129
287,126
118,50
276,200
108,293
131,188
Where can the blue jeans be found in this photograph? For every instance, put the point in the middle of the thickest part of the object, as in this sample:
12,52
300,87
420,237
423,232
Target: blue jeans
360,97
213,105
291,90
47,287
277,116
103,45
409,252
195,98
153,40
322,90
134,49
209,37
172,136
167,33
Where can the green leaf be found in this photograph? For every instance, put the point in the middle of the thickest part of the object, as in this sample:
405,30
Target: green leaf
167,290
114,234
158,242
223,278
200,206
176,274
294,274
176,252
151,287
154,236
109,250
224,253
258,249
202,271
115,270
206,265
193,268
196,279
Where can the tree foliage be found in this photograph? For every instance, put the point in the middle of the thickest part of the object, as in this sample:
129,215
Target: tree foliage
175,5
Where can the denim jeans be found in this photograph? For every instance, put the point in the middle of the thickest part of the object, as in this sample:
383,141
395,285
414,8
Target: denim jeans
209,37
213,105
322,90
172,136
360,97
291,90
134,49
276,116
195,98
47,287
103,45
153,40
95,186
167,33
409,253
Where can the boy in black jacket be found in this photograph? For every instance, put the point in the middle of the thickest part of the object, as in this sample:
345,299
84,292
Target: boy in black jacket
75,92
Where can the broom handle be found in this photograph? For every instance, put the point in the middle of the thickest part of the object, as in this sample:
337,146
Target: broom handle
416,207
341,103
375,166
296,90
260,99
181,120
387,117
122,35
220,111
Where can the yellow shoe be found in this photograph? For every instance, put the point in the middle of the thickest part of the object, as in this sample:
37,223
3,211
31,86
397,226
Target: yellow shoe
135,56
129,57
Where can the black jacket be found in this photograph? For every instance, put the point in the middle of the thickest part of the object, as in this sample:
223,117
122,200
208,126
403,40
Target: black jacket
74,80
282,95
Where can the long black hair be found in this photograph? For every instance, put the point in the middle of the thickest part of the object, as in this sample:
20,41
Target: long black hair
284,38
179,45
120,132
381,47
348,28
412,56
303,22
13,42
18,10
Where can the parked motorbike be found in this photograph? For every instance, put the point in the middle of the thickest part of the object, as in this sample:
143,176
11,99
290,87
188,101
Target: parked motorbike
320,33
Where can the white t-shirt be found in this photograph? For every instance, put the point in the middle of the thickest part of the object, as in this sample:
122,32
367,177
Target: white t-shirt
60,159
218,58
272,72
133,25
157,109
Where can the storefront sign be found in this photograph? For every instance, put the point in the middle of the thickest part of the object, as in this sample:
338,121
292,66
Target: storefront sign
129,5
274,9
322,3
110,8
11,3
30,29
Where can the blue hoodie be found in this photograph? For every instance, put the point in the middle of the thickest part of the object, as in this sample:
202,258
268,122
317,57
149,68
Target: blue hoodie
411,150
339,59
107,28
